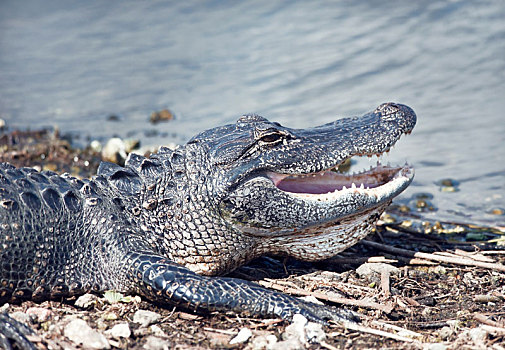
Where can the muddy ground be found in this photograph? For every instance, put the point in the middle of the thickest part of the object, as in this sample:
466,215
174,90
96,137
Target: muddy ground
438,291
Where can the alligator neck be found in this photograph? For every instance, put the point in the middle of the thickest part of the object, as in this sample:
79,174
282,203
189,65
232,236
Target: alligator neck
165,197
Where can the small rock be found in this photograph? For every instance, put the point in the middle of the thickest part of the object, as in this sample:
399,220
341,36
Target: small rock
145,317
243,335
114,151
294,335
155,343
263,342
288,344
478,336
161,116
20,316
374,270
145,151
50,167
448,182
217,340
440,270
5,308
86,301
157,331
110,316
436,346
41,314
296,329
121,330
497,211
314,333
445,332
312,299
96,146
79,332
113,118
448,185
131,144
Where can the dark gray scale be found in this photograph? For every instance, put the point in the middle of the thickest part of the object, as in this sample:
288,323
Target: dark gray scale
72,201
124,180
52,199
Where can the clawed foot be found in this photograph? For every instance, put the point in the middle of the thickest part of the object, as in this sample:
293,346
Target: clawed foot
320,313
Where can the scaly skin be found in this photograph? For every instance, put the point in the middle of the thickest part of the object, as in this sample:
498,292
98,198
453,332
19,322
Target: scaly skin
161,226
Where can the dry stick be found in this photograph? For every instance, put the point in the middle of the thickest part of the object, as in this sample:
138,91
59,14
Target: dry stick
385,283
494,330
362,303
328,346
372,259
441,258
364,329
396,328
222,331
474,256
468,256
484,319
492,252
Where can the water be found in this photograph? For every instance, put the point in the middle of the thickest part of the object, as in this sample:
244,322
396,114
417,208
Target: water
73,63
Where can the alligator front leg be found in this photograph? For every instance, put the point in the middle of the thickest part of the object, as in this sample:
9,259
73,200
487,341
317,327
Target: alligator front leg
162,280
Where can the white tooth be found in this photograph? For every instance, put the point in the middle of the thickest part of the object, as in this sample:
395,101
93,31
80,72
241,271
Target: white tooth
344,188
353,185
362,186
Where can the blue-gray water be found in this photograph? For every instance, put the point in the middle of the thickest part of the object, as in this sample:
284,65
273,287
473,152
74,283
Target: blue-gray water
73,63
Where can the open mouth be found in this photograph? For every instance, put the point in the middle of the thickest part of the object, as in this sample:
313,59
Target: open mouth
331,181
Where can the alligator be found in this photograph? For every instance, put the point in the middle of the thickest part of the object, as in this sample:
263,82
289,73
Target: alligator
164,226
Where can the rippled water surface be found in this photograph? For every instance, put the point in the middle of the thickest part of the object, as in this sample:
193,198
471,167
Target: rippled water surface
74,63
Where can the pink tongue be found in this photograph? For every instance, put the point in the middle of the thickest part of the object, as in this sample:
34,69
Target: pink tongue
318,184
304,186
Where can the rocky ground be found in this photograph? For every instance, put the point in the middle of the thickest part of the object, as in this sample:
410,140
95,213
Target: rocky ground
416,285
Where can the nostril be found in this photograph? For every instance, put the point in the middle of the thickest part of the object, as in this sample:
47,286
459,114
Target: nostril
388,110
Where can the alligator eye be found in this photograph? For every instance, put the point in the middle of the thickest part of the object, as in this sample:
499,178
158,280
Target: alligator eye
271,138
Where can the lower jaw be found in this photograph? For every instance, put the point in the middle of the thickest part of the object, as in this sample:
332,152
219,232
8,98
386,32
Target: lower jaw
320,242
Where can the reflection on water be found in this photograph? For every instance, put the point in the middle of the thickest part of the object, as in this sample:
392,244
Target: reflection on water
74,63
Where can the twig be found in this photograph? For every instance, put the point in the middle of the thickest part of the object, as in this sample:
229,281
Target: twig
345,301
492,252
372,259
222,331
486,320
327,346
494,330
458,253
364,329
396,328
415,261
442,258
385,283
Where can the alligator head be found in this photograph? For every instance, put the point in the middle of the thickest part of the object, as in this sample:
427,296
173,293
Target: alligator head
281,189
